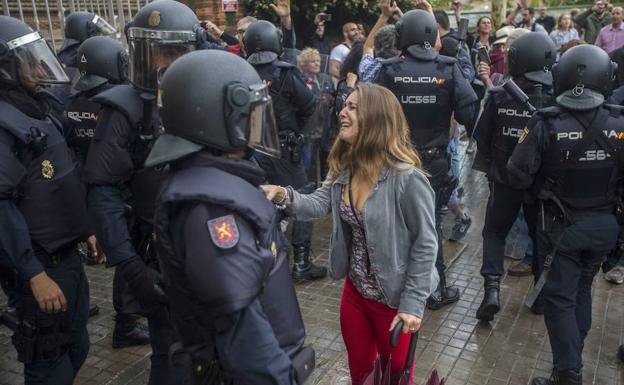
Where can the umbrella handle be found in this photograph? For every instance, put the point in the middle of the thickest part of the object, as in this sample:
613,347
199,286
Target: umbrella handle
411,352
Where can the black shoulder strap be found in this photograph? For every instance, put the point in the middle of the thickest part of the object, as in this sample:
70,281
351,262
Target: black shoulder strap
593,133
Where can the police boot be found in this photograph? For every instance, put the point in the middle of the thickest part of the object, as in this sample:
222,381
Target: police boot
444,295
129,332
560,377
621,353
491,303
303,268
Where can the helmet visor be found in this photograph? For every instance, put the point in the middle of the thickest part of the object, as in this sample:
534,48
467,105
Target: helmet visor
152,52
103,26
36,61
263,134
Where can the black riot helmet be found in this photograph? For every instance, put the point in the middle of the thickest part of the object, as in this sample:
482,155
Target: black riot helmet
418,32
262,42
80,26
160,32
532,55
25,57
583,77
101,60
227,109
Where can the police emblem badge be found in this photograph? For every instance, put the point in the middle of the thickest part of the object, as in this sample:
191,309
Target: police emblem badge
154,19
47,169
525,132
224,232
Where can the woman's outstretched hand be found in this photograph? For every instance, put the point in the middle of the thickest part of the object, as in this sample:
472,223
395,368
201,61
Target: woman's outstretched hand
273,192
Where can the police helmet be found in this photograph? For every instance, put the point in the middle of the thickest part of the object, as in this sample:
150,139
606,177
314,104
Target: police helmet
532,55
418,32
25,57
583,77
262,42
80,26
227,109
101,60
160,32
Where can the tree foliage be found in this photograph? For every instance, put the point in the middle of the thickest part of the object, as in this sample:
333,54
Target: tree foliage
358,9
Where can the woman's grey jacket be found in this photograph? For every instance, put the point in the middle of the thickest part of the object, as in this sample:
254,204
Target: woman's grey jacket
399,222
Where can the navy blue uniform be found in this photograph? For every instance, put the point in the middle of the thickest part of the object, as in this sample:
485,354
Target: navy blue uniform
431,90
294,104
43,211
117,180
497,132
226,273
577,221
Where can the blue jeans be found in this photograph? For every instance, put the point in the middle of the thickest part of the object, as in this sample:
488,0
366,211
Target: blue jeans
456,158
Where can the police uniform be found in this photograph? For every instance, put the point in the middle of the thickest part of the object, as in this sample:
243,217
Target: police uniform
43,211
220,246
103,64
572,159
431,88
294,105
117,180
122,191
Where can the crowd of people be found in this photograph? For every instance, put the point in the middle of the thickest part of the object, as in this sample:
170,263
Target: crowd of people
184,180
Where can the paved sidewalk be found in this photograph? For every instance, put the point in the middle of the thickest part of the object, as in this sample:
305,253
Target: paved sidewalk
509,351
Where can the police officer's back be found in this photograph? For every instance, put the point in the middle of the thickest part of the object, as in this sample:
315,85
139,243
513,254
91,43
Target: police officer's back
103,64
127,127
572,158
500,125
294,105
42,206
431,88
219,240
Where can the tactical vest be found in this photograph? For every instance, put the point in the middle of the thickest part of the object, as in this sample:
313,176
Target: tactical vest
425,91
145,183
82,117
590,182
276,76
266,274
511,119
50,194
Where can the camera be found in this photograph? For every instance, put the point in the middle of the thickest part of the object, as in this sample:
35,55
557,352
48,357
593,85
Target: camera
325,17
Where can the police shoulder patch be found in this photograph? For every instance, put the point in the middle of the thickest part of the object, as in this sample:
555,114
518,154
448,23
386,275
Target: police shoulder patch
224,232
525,132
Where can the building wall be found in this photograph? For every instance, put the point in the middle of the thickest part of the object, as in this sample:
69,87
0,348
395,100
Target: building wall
211,10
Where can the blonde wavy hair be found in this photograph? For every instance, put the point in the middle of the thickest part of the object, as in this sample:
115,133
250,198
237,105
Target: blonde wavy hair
383,136
306,56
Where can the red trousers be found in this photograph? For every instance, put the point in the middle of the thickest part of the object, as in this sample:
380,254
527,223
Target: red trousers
365,330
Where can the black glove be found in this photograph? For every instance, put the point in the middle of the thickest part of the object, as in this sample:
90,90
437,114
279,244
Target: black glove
143,281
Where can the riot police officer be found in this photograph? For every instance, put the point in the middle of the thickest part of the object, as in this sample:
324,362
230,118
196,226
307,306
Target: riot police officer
79,26
294,105
43,211
430,88
220,245
127,126
103,64
571,156
502,122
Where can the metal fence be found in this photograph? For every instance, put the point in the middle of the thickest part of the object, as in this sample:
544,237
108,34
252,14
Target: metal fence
48,16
